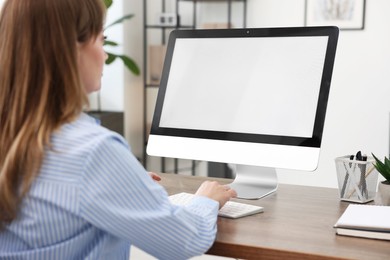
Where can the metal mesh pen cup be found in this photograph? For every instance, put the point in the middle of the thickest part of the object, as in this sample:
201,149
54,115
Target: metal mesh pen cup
357,180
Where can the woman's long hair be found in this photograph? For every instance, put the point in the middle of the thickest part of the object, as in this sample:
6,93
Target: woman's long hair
40,87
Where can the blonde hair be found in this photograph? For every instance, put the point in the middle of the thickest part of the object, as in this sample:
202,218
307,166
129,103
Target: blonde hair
40,86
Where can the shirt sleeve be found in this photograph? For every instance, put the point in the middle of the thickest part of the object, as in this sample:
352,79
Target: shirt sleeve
117,195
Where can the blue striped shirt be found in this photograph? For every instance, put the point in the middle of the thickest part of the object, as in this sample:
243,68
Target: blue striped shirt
93,199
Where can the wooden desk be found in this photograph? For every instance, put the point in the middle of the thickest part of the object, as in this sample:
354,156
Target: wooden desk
297,223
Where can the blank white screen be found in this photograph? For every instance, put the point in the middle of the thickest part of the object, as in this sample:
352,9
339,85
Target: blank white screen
264,85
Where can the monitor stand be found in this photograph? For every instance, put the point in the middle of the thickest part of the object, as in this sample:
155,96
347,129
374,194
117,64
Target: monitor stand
254,182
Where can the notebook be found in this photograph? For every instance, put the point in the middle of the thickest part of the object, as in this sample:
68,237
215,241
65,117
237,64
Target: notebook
370,221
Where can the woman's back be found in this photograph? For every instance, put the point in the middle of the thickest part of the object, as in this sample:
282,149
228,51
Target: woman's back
51,223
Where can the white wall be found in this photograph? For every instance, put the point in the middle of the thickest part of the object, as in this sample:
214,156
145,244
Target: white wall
112,91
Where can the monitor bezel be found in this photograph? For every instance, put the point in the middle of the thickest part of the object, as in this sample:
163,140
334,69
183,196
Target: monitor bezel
315,141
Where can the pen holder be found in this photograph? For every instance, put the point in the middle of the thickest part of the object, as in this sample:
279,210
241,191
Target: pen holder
357,179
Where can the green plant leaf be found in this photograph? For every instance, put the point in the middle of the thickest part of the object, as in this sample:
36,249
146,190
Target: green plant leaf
387,162
380,168
110,43
127,61
378,164
120,20
386,175
130,64
383,168
111,58
377,161
107,3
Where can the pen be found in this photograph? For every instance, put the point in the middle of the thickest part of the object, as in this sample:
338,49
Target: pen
363,177
362,183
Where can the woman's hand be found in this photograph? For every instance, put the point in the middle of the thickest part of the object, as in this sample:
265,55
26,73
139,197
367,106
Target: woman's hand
154,176
216,191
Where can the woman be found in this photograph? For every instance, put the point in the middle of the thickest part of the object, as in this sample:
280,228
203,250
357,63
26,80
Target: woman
70,189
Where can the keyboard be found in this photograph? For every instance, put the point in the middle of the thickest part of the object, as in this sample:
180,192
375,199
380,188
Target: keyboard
230,210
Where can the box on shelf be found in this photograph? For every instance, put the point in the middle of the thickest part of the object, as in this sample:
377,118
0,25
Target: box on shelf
216,25
156,62
167,19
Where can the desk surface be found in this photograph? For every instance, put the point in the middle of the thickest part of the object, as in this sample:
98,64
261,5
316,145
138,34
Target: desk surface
297,223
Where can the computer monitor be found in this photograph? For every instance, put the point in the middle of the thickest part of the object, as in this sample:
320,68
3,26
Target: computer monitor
255,98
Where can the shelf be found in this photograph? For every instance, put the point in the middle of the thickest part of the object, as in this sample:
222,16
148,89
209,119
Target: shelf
110,119
151,85
169,27
211,1
152,55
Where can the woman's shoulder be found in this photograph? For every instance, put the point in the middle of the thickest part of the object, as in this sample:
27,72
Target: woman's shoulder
85,130
76,142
